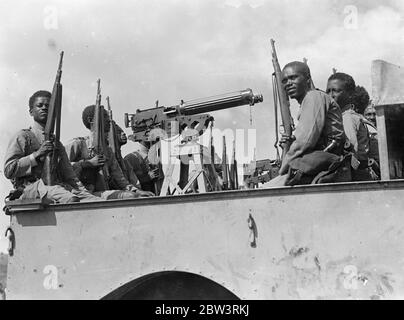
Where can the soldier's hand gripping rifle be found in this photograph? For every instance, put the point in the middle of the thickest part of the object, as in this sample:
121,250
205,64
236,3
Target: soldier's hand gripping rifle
281,96
99,140
52,129
187,114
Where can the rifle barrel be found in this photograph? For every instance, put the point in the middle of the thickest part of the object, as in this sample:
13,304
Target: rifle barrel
52,127
282,96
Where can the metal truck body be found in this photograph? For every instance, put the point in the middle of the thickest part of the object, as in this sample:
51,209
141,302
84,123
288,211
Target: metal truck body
312,242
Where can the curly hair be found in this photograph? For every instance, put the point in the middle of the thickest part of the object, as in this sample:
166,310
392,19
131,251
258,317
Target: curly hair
360,99
88,115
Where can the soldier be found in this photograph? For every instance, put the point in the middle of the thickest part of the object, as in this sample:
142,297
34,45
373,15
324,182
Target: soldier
25,159
138,161
86,164
370,114
366,109
341,87
126,168
319,136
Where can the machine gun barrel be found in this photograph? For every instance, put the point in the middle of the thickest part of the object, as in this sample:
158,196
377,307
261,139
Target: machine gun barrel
220,102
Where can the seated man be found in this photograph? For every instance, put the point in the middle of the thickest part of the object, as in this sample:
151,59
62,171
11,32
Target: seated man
87,164
370,116
341,87
318,141
25,159
126,168
366,109
146,172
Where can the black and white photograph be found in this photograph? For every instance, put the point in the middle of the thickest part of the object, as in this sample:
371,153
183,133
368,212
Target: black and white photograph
216,150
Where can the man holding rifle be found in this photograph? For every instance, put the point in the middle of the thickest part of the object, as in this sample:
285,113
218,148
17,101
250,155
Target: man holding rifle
25,157
127,170
317,143
87,163
116,139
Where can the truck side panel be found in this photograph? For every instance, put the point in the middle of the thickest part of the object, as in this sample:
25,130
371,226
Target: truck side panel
313,242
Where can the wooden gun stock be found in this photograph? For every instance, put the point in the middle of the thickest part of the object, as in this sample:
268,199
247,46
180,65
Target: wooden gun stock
52,128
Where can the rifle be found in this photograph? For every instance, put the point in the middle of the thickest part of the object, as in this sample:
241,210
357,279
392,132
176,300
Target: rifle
312,86
233,169
52,128
113,137
225,167
281,96
99,140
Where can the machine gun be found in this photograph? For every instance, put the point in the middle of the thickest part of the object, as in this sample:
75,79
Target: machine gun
172,120
150,125
100,147
52,128
281,96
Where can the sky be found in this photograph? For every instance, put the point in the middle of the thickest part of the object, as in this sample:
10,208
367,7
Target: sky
168,50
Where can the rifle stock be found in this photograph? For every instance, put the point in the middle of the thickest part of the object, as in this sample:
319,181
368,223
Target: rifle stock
283,99
52,128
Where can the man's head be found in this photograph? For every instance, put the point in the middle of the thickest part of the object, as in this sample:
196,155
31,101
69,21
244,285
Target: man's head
88,118
39,105
296,79
341,87
121,135
370,114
